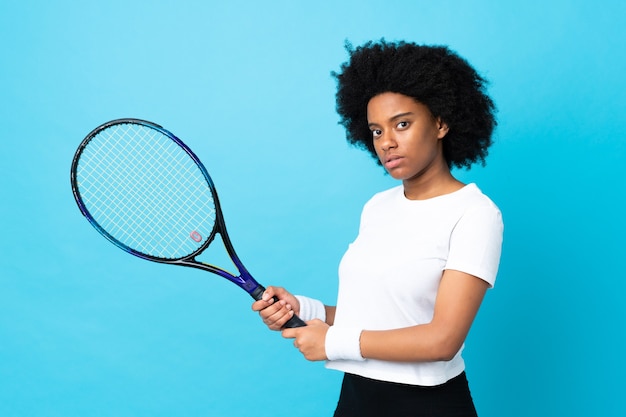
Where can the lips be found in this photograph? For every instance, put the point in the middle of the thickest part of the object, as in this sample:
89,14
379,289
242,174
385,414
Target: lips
392,161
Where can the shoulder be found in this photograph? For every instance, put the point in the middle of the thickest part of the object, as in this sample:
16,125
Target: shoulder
470,205
390,193
478,214
384,197
472,198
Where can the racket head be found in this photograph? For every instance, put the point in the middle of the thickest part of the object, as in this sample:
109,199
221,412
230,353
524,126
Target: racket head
145,191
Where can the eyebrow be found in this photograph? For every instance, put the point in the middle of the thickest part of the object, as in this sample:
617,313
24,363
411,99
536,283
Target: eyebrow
397,116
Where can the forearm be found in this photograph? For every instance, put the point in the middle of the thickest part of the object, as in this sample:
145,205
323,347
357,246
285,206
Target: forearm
458,300
330,314
423,343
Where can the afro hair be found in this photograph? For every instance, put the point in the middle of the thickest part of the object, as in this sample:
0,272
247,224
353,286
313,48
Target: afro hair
432,75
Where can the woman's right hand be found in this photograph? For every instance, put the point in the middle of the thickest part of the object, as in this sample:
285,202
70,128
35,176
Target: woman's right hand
276,313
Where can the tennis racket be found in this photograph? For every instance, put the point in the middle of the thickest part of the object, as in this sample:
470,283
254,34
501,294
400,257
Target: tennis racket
145,191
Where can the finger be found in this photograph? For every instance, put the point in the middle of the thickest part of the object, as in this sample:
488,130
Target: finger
290,333
271,292
278,319
276,315
262,304
268,308
268,294
273,313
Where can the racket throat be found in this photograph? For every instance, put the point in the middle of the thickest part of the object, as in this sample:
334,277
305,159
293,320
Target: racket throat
244,281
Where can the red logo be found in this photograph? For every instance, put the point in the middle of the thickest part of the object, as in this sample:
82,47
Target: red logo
195,236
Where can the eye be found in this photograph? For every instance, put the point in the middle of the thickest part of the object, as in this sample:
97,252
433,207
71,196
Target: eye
376,133
402,125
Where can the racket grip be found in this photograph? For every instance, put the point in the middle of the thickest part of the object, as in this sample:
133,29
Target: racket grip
293,322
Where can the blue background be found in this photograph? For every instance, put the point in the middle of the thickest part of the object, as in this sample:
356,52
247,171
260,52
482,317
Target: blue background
87,330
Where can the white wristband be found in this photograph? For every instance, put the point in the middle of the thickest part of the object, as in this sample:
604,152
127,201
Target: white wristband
343,343
311,308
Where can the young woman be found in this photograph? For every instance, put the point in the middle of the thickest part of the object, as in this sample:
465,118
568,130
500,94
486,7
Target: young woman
427,250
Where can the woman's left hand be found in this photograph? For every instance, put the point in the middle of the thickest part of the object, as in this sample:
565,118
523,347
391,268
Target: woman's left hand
309,340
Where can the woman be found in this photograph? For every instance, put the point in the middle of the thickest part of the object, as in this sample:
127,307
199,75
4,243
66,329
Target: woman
412,282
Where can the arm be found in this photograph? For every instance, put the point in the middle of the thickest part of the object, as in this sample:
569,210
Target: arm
330,314
457,303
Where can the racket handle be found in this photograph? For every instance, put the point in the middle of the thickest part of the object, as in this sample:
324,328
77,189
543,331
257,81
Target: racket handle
293,322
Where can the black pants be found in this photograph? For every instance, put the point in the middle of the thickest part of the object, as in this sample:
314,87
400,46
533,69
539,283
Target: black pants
363,397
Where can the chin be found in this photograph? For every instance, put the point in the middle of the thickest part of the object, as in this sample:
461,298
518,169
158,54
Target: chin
396,174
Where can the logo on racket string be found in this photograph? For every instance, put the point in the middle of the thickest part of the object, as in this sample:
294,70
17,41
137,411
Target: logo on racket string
197,237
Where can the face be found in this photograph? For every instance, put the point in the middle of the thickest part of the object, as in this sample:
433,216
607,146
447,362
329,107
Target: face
406,136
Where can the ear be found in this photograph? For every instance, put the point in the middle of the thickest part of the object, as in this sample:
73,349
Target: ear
442,128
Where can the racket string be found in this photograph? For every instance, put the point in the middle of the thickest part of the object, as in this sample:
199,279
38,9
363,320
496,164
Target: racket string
146,191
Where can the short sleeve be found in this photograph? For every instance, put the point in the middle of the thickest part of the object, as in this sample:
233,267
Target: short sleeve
476,243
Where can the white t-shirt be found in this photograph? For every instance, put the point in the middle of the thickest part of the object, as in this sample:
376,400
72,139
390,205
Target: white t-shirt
389,276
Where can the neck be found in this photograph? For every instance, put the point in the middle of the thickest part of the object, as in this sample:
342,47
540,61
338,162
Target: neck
432,185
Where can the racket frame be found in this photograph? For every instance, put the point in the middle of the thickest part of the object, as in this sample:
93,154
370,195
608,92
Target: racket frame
244,280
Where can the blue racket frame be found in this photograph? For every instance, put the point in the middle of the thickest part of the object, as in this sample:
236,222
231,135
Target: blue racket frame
244,280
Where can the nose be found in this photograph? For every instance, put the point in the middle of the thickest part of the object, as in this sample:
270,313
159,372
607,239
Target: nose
387,141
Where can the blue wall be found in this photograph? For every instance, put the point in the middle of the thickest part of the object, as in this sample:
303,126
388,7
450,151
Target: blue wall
87,330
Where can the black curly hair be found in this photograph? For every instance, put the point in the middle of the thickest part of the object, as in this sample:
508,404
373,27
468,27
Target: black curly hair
434,76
